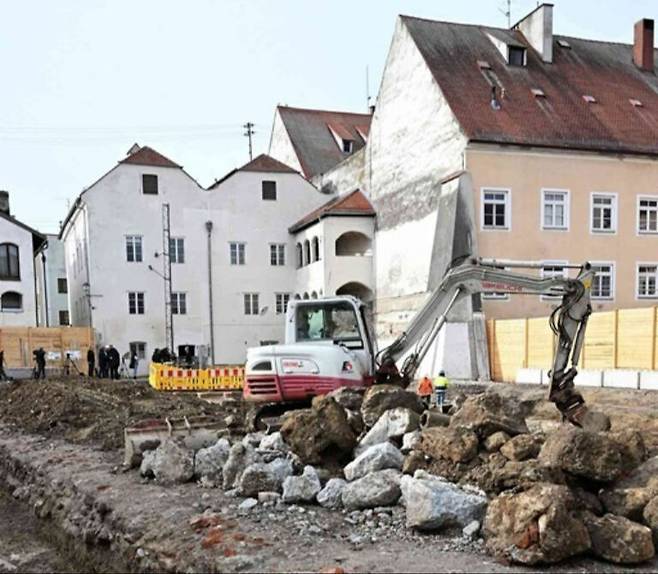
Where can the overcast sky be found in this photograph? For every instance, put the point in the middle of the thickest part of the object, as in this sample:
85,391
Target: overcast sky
82,80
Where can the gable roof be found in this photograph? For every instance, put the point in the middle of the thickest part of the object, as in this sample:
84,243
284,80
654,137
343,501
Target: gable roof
262,164
310,132
148,156
352,204
38,239
561,119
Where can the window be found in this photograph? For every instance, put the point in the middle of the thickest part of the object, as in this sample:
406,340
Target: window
11,301
647,221
64,318
149,184
647,279
348,146
269,190
135,303
9,262
495,209
555,209
328,321
179,303
177,250
316,249
516,55
237,253
139,349
277,254
553,269
603,285
307,252
282,300
604,213
134,248
251,304
300,259
62,286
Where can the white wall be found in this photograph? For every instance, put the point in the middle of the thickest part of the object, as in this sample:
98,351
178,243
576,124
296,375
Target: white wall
239,214
26,317
281,147
55,268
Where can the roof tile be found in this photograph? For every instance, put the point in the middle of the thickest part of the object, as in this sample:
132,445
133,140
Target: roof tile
354,203
148,156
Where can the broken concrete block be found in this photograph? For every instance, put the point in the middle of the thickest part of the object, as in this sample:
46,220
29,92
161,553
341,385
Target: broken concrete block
522,447
273,441
172,462
240,456
391,424
432,503
410,441
618,539
350,398
628,496
376,457
490,412
268,498
631,446
248,504
449,443
209,462
331,495
260,477
381,398
493,442
380,488
302,488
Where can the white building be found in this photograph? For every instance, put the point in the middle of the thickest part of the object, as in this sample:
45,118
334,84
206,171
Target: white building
51,284
18,242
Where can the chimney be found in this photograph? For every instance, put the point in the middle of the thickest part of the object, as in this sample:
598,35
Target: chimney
643,45
537,27
4,202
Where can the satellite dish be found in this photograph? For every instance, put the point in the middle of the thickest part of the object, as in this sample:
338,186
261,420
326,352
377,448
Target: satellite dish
264,310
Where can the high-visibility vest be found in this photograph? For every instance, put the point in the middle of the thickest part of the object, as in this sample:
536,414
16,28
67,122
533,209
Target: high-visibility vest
425,387
441,383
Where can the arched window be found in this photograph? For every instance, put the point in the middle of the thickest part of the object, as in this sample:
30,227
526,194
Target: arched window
300,261
11,301
9,263
314,295
353,243
307,252
305,296
297,297
316,249
356,289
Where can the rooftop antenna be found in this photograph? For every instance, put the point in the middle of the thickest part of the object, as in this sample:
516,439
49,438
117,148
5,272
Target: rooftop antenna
507,12
249,127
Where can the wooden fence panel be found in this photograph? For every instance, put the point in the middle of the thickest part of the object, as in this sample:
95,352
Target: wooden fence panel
541,342
635,339
599,349
509,355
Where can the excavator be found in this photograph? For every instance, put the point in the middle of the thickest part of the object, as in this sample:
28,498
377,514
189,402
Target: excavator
330,342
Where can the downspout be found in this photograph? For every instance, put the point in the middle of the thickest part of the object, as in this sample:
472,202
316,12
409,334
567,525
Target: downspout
210,302
45,290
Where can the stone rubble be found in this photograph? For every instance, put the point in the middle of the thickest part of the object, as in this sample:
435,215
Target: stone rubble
376,457
302,488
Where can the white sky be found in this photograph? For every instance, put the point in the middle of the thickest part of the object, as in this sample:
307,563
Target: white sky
82,80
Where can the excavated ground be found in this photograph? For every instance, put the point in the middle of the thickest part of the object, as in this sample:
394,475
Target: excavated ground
60,456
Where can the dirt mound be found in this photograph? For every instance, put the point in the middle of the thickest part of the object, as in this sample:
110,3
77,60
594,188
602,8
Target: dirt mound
93,411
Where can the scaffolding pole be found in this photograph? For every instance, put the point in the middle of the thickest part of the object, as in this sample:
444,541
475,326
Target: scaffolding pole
166,261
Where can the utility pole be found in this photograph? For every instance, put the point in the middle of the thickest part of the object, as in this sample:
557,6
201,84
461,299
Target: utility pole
507,12
166,256
250,132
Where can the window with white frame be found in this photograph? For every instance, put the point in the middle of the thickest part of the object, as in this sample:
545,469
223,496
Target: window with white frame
495,209
138,348
604,213
133,248
135,303
553,269
647,279
603,286
495,295
237,253
647,217
179,303
282,300
277,254
251,304
177,250
555,209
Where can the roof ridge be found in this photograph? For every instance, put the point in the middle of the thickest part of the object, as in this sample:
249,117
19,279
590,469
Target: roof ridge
296,109
407,17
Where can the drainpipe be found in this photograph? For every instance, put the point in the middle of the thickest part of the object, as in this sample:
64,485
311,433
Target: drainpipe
45,289
210,305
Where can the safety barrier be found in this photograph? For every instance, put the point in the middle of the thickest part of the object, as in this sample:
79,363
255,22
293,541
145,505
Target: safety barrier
164,377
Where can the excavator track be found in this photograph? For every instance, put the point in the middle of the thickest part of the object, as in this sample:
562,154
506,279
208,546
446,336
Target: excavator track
268,417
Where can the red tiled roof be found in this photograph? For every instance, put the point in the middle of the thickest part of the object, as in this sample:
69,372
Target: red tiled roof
266,163
148,156
311,137
352,204
561,119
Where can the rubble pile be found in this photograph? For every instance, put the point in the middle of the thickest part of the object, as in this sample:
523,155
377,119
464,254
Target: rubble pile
533,497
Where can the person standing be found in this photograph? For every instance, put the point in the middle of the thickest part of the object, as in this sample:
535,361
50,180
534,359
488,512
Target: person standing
440,386
102,362
425,390
91,362
114,360
134,364
3,375
40,358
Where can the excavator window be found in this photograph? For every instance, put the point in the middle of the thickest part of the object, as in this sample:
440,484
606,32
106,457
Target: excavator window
334,321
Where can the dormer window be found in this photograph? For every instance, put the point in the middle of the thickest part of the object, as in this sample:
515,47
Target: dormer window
516,56
348,146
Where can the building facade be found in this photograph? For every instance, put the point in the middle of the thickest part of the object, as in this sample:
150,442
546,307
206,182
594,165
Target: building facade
51,284
18,243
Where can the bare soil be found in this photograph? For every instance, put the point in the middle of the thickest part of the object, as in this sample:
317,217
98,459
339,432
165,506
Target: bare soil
93,411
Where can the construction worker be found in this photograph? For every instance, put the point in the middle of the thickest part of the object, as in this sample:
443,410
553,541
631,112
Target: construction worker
440,385
425,390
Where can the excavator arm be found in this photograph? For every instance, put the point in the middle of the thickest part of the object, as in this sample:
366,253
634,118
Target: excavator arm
568,322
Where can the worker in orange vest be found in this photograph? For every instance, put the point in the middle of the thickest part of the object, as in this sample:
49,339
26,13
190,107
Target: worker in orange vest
425,389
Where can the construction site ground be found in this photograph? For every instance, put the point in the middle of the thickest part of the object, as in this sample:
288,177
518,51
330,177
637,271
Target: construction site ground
61,447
